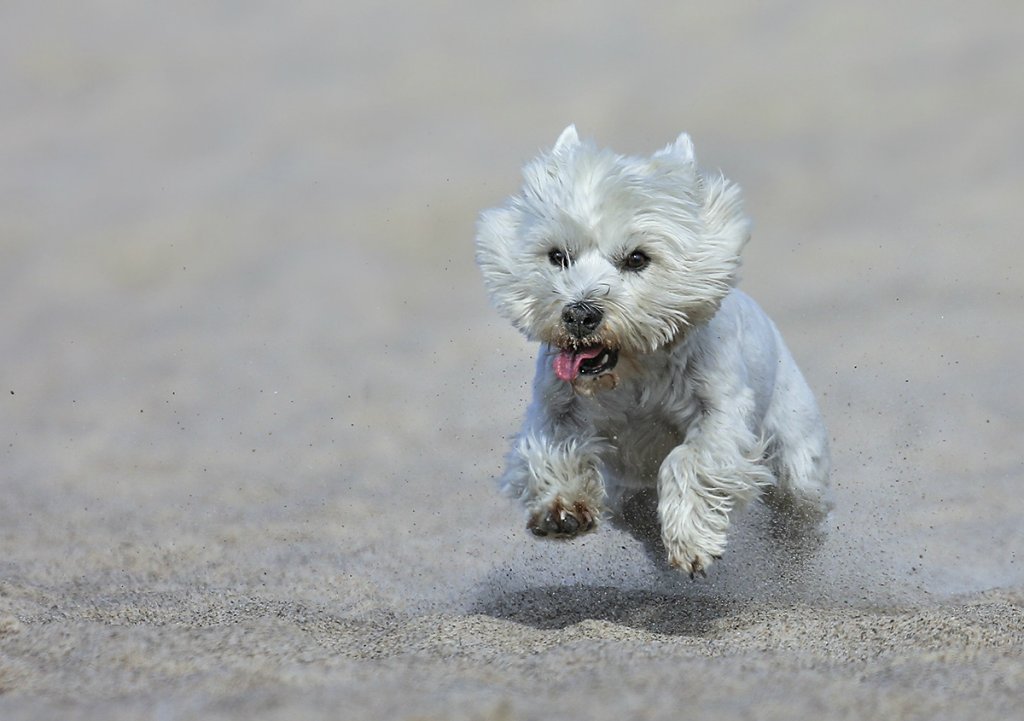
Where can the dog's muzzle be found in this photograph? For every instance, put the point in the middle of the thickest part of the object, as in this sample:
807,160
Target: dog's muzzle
581,318
585,357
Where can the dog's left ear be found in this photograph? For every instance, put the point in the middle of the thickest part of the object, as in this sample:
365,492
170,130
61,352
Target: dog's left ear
681,150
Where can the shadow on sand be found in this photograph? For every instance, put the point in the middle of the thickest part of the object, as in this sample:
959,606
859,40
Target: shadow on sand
558,607
677,606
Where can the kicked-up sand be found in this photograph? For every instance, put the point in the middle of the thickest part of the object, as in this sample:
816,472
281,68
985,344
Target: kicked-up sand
253,399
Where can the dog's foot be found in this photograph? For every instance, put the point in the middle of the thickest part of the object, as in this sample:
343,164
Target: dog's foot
689,560
562,521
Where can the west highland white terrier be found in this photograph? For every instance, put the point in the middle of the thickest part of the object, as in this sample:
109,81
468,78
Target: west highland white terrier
654,372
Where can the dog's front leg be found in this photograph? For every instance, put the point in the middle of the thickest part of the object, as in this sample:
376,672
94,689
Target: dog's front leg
717,468
554,466
559,481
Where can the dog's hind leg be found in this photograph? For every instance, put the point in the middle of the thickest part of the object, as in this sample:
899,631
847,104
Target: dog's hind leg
798,451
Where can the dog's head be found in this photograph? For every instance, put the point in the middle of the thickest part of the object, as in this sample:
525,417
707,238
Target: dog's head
602,255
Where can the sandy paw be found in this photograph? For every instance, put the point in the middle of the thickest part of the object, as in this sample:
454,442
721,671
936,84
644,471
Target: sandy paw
562,520
690,561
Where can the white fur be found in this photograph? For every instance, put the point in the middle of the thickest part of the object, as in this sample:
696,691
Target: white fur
705,403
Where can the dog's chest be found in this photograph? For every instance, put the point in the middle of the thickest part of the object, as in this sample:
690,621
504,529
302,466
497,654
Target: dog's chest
642,423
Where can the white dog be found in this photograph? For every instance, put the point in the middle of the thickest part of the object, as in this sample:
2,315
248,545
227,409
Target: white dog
653,371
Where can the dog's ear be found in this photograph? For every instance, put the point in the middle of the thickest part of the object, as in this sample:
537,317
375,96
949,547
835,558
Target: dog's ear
683,149
568,139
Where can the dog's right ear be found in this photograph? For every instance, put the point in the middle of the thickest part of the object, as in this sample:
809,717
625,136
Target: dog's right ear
568,139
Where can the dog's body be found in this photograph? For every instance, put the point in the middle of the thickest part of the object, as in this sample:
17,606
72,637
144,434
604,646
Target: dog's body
653,370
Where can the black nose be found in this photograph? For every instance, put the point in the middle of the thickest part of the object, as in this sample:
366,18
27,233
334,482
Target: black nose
582,318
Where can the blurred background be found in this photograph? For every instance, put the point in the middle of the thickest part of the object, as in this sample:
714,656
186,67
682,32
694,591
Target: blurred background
244,344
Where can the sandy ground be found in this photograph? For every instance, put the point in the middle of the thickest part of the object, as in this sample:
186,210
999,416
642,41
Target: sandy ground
253,397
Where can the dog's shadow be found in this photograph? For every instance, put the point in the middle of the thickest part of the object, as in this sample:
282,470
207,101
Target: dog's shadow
678,607
559,607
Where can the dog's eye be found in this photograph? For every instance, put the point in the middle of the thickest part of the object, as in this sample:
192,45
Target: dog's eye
637,260
559,257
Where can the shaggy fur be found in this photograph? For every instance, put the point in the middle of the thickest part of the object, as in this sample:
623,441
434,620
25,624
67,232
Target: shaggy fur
653,372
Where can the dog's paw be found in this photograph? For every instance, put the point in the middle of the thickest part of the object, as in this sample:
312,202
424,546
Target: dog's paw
690,560
562,521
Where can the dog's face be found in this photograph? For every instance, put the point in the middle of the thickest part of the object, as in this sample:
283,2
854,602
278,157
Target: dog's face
602,256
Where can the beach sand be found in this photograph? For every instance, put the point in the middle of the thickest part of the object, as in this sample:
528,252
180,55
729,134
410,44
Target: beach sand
254,398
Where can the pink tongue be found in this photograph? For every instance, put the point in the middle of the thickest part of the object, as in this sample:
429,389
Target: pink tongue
567,364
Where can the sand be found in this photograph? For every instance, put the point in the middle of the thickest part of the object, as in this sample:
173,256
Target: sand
254,398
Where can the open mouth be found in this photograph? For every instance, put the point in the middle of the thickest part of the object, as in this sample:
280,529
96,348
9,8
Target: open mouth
592,361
